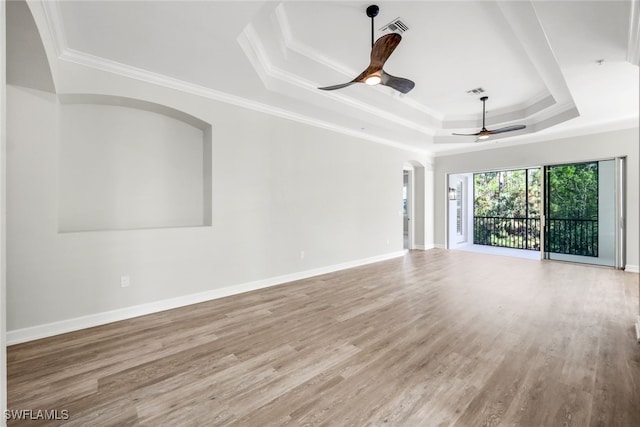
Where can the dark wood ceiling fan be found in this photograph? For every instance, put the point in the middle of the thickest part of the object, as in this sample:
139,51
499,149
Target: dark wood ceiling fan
486,133
381,51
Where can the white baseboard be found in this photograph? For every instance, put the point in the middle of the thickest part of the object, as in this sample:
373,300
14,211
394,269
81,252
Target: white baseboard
69,325
439,246
638,329
632,268
424,247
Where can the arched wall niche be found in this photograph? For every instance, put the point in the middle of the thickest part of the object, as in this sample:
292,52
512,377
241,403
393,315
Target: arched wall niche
131,164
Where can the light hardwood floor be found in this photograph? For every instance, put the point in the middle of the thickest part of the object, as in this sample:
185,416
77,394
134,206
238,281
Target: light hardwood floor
434,338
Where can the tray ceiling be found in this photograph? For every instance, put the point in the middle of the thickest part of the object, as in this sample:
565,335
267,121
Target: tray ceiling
537,61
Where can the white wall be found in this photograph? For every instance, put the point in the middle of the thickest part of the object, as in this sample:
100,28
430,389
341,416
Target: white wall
576,149
279,188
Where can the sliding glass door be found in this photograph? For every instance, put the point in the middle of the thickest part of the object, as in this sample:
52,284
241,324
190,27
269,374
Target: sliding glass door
583,212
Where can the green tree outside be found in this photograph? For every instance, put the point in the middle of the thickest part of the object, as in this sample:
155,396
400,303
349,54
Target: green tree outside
574,191
572,212
507,208
502,194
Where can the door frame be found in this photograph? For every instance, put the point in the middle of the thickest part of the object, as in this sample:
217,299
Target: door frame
619,208
463,199
410,206
451,237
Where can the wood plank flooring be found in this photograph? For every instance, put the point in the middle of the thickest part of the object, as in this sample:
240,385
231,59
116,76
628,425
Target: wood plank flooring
436,338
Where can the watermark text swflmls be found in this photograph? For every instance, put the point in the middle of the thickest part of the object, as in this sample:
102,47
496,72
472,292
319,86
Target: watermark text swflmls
36,414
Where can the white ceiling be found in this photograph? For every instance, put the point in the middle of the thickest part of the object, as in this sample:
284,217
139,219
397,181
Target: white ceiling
537,61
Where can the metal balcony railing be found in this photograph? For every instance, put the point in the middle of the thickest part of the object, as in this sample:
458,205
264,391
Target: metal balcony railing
564,236
517,233
572,236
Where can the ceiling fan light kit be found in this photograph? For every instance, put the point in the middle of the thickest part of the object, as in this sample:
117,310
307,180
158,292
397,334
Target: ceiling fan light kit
373,80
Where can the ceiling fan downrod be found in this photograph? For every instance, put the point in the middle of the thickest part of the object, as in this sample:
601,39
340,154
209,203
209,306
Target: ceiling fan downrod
484,101
372,12
484,132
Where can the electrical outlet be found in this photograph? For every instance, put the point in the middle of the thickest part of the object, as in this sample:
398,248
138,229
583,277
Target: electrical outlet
125,281
301,254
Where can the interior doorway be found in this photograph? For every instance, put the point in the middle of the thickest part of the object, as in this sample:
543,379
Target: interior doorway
415,181
407,208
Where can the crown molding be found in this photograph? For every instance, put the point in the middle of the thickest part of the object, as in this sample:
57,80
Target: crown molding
553,105
543,102
527,29
307,51
550,134
53,19
275,78
113,67
525,24
55,24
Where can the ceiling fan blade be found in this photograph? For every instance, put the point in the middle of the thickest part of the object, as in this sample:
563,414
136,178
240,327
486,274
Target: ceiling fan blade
340,86
466,134
484,132
382,49
507,129
398,83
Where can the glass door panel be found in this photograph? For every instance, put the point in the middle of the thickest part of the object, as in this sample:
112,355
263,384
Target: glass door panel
580,212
